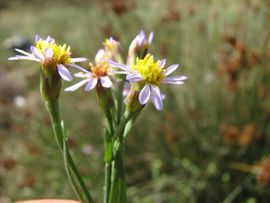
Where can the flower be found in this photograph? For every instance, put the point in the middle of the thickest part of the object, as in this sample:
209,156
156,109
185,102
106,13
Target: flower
110,51
140,42
49,54
99,73
149,75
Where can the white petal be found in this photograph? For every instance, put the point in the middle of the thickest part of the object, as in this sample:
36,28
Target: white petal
133,45
134,77
82,75
100,55
37,53
119,72
64,72
169,70
24,52
156,97
14,58
144,94
76,60
92,82
173,82
76,86
19,57
106,82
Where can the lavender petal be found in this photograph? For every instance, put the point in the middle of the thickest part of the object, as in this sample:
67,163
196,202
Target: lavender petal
37,38
118,65
64,72
134,77
162,63
49,39
144,95
141,38
156,98
150,37
77,67
37,53
48,53
92,82
175,80
169,70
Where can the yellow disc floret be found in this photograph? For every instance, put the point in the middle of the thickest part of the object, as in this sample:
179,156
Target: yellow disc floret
61,53
108,44
111,45
101,69
150,70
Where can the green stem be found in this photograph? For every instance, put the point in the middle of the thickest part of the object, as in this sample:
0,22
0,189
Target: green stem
71,169
120,100
118,187
108,156
79,178
108,170
70,177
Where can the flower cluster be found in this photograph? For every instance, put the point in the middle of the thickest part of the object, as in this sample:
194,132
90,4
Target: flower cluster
142,71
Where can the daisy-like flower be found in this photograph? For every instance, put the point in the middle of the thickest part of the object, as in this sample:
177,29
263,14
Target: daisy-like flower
50,55
149,75
97,74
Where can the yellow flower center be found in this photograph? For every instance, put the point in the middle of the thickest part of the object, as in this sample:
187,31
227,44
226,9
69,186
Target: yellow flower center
101,69
61,53
150,70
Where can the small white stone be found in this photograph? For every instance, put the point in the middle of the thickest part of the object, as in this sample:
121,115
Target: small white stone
19,101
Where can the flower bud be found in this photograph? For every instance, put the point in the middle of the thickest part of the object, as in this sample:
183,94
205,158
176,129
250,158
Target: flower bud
111,49
132,101
139,47
50,84
105,99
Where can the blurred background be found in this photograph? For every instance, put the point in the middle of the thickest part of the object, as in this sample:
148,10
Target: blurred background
211,143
